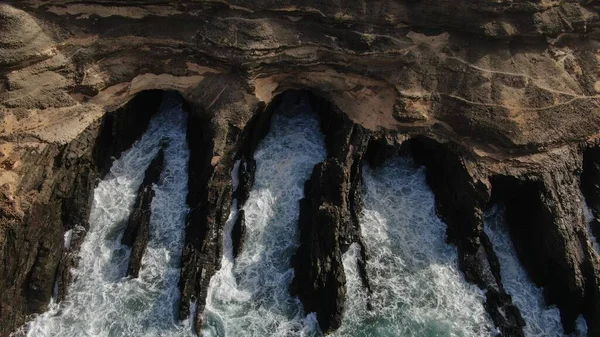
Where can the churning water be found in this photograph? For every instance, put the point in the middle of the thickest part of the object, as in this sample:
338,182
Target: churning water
417,288
540,319
250,297
356,298
101,301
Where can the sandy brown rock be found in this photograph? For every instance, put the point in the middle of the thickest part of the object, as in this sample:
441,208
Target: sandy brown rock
22,40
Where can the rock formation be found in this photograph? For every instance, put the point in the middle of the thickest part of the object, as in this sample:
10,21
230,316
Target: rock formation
246,174
328,218
137,232
498,99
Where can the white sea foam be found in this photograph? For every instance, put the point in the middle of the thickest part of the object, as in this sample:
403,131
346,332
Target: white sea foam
356,298
101,301
68,237
417,288
250,297
582,328
541,320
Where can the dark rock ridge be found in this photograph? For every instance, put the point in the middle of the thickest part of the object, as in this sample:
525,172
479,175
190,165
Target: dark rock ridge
319,279
328,218
460,200
137,232
217,137
246,173
497,98
590,185
329,210
238,233
214,136
544,211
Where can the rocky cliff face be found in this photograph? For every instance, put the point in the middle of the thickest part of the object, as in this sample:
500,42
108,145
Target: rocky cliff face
499,99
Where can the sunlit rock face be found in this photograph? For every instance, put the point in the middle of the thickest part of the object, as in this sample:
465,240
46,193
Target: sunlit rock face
497,99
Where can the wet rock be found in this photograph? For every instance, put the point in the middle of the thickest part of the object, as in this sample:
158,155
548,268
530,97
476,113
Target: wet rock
246,173
209,198
590,185
75,212
137,232
595,227
506,316
121,129
214,142
319,281
461,196
238,233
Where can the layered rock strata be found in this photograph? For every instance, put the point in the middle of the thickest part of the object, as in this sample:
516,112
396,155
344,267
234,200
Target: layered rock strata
500,99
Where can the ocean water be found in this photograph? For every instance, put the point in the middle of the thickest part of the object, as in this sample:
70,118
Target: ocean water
417,288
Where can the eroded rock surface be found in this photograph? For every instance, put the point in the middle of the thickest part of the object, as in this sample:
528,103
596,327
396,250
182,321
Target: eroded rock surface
499,89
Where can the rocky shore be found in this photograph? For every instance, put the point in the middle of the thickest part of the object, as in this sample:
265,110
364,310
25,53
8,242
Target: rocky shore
498,99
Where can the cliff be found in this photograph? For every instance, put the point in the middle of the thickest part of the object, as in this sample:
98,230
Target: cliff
499,99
